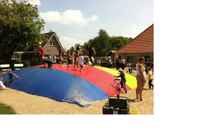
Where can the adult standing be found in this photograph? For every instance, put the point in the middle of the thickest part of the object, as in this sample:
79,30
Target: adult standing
91,54
75,58
141,78
118,62
41,53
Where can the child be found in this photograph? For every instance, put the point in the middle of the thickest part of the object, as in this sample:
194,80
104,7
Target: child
129,68
150,78
123,80
11,77
81,61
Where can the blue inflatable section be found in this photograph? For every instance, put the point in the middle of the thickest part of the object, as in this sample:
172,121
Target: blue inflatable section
57,85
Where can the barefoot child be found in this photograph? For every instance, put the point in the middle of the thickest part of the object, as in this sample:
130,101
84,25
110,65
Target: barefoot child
122,80
81,61
150,78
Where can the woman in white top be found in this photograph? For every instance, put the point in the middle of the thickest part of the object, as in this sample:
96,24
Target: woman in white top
81,61
141,78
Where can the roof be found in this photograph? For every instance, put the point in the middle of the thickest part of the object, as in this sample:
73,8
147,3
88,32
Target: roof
143,43
48,36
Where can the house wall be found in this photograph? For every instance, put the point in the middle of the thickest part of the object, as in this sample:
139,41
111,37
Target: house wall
52,50
132,58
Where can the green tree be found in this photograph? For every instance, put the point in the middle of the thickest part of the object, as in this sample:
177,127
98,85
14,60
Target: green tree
118,42
101,43
20,27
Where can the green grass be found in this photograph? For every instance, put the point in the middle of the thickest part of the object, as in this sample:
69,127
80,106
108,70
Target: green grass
5,109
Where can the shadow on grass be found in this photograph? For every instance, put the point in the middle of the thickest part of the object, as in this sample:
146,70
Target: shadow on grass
5,109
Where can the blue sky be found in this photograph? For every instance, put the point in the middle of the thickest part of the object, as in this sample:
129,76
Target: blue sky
80,20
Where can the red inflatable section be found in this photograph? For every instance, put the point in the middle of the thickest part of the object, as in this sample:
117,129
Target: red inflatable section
93,75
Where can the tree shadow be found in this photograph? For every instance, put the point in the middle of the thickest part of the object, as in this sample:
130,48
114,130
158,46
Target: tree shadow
5,109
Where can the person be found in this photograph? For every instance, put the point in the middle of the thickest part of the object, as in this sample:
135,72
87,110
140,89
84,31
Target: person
120,83
123,63
129,68
150,78
91,54
141,78
110,61
48,62
118,62
75,59
41,53
122,79
69,59
81,61
11,77
2,86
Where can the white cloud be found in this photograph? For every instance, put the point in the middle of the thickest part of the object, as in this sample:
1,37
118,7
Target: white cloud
33,2
67,17
68,42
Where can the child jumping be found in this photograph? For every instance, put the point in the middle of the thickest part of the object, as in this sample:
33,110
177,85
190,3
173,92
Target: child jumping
81,61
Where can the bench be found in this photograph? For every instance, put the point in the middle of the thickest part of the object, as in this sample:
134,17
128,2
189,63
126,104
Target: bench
6,67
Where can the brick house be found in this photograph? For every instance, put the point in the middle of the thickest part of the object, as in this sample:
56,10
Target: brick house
52,47
141,46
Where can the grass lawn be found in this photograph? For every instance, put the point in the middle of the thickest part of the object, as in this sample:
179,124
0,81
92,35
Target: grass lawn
4,109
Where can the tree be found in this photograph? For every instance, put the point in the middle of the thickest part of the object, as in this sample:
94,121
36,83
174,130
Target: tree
103,43
20,27
118,42
100,43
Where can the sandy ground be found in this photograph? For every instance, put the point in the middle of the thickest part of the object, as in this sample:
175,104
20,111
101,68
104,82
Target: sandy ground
24,103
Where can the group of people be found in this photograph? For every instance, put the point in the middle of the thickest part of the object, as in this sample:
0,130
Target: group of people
144,77
79,57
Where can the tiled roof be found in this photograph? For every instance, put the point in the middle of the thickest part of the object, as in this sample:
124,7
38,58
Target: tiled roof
143,43
46,37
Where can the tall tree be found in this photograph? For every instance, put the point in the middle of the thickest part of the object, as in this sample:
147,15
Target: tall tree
103,43
20,27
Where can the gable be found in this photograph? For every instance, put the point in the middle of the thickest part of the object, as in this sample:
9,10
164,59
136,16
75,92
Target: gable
51,42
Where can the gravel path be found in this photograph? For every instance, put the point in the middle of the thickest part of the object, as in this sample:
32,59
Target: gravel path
24,103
